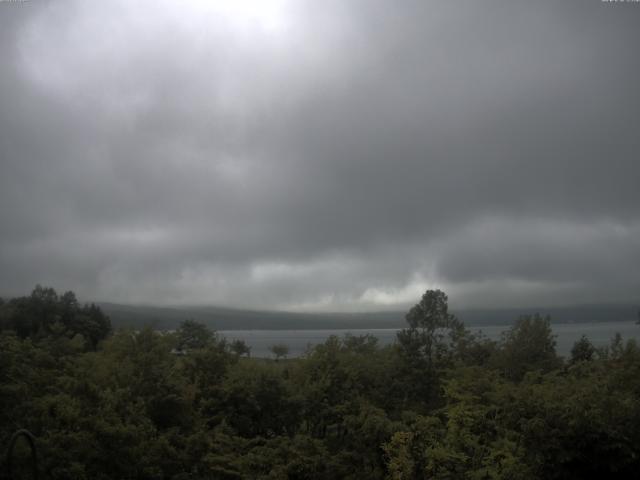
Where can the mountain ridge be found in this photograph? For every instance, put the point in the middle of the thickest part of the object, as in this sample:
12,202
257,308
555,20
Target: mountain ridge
225,318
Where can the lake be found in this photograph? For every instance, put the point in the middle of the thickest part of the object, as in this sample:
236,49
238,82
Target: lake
600,334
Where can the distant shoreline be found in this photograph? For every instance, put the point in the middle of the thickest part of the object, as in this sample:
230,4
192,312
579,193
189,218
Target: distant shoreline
165,318
599,333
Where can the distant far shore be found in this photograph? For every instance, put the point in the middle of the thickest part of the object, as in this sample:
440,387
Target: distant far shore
168,318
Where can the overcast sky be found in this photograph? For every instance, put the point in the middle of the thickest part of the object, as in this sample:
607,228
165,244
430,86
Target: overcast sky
321,155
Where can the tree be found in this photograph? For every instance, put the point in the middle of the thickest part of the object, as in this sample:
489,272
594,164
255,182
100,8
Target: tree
528,345
44,314
256,402
90,322
582,351
240,347
192,335
434,340
280,350
360,344
433,332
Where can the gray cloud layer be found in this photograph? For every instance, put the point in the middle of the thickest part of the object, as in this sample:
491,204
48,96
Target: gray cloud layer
321,155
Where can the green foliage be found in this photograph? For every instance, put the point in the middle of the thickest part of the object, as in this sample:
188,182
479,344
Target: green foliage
45,314
434,336
434,340
240,348
440,404
582,351
527,346
192,335
256,401
279,350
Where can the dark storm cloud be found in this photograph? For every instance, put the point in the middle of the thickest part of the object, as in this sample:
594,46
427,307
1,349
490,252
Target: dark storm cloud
321,155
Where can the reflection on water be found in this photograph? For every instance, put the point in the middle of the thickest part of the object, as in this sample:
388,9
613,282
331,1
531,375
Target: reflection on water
599,334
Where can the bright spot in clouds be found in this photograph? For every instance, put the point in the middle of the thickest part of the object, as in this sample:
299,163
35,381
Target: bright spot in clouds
269,16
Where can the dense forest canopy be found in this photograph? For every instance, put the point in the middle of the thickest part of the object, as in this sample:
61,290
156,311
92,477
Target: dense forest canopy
440,403
45,314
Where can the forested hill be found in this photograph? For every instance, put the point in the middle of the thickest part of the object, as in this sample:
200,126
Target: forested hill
236,319
220,318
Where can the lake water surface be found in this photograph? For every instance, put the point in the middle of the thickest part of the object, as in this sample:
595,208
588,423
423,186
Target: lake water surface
600,334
